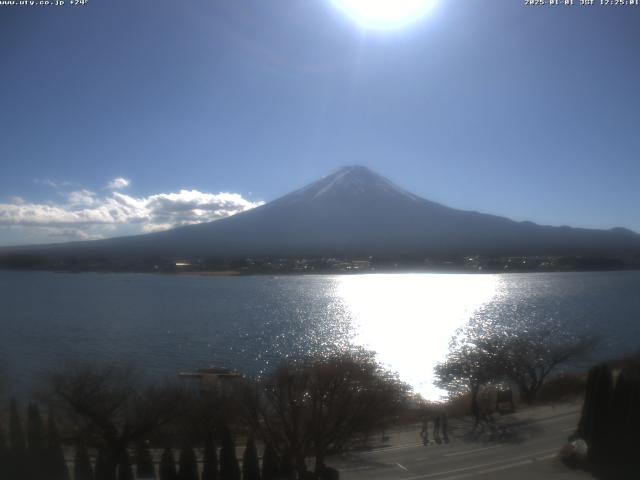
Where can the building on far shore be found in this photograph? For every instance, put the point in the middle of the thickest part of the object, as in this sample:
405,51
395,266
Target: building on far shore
211,378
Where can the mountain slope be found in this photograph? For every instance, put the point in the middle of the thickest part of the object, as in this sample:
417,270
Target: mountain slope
355,211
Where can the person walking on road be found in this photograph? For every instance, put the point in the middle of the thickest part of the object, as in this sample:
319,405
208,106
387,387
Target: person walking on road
444,427
436,429
424,433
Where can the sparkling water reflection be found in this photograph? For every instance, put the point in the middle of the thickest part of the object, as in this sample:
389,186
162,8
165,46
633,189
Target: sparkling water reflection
165,324
409,319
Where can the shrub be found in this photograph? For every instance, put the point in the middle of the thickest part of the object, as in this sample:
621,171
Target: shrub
229,468
56,464
82,464
250,466
144,463
167,465
37,451
562,388
188,464
124,467
269,463
210,461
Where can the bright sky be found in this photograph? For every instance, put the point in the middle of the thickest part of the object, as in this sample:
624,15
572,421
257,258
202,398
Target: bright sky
124,116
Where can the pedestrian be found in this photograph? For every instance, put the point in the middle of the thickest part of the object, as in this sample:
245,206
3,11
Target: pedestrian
445,432
436,429
424,433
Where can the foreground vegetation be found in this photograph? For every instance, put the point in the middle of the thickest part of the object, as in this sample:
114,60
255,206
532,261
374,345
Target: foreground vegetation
306,409
525,353
113,426
610,421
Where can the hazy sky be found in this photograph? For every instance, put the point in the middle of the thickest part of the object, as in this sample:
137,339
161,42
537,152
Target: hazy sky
126,116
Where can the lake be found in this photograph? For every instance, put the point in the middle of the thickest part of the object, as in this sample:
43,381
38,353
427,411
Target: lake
164,324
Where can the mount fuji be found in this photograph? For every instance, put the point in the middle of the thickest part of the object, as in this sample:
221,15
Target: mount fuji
355,211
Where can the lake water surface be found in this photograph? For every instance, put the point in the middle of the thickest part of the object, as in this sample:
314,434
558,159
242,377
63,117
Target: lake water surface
164,324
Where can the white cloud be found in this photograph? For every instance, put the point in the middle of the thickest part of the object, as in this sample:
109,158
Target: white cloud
67,234
118,183
81,198
86,215
53,183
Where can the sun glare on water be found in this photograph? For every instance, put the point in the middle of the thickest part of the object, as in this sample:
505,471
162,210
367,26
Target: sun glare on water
385,14
409,319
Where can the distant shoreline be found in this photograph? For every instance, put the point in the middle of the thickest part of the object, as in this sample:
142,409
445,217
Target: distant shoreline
238,273
222,273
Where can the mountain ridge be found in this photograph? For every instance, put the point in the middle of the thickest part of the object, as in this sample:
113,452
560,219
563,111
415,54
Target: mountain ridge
354,211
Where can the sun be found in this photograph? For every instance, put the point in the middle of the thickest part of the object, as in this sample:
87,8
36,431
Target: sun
385,14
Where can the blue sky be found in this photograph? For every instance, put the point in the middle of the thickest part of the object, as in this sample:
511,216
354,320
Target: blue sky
490,105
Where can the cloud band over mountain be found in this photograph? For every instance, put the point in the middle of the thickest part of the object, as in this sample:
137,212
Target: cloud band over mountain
84,214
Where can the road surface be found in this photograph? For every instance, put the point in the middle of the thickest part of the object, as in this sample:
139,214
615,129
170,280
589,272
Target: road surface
527,450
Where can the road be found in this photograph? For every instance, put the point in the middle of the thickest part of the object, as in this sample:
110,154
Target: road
527,451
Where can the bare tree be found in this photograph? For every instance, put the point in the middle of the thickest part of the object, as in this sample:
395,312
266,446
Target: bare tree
528,359
523,352
206,411
467,369
318,406
110,409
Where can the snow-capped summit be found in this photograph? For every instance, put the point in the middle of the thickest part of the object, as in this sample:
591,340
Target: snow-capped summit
350,181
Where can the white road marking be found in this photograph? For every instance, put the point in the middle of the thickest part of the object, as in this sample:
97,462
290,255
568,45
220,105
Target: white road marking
501,467
402,467
355,469
390,449
547,457
504,467
466,452
529,459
